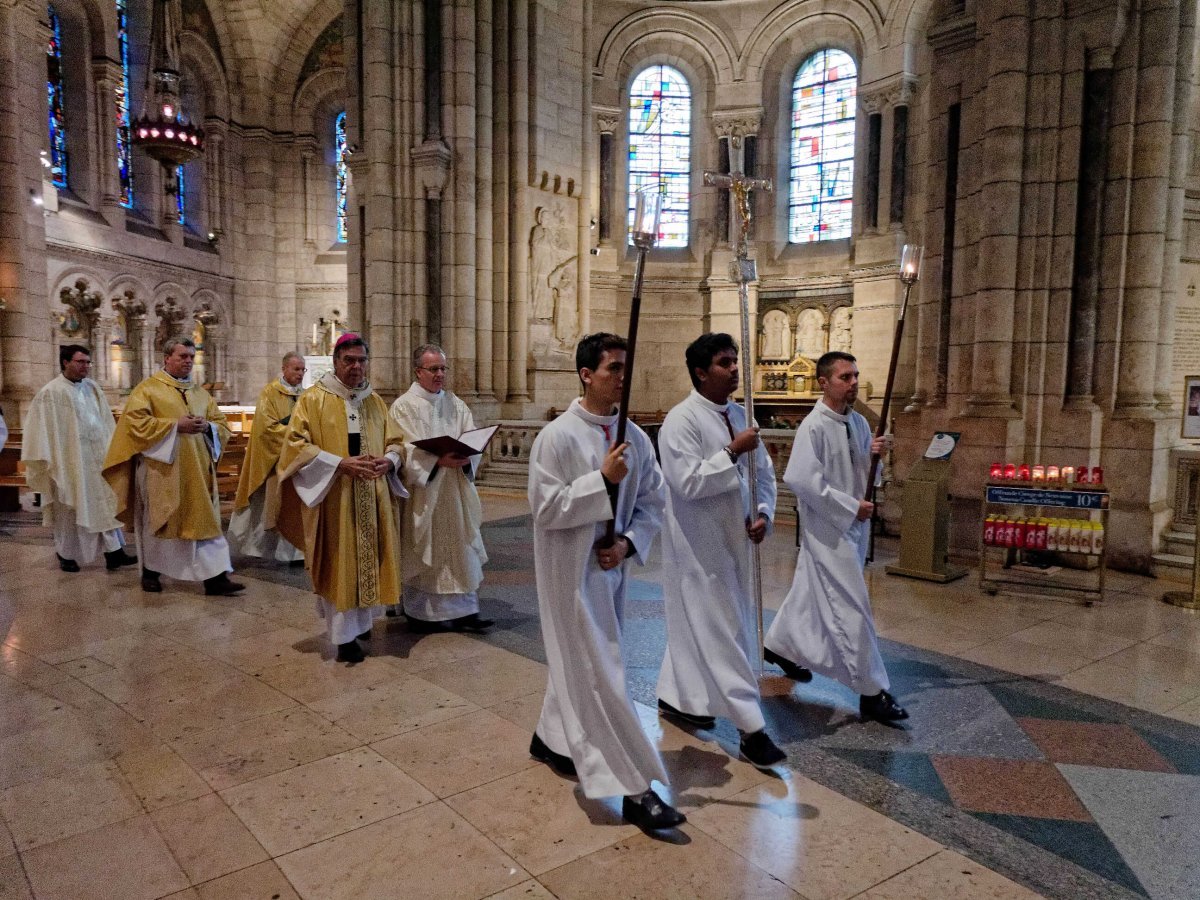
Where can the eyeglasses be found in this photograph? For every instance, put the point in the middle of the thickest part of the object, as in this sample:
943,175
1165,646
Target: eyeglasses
435,369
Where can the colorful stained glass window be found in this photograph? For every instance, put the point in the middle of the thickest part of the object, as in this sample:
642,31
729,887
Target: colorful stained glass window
180,196
822,151
54,94
660,148
123,144
339,151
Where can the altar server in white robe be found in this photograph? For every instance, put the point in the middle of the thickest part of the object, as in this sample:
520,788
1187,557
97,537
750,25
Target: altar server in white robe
66,435
712,625
589,726
442,548
825,621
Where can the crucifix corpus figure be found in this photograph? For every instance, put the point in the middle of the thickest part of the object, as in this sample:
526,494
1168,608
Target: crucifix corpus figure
743,271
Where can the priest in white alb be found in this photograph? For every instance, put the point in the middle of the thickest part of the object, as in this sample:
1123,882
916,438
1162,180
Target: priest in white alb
252,529
589,727
162,465
339,471
825,622
66,435
710,667
442,553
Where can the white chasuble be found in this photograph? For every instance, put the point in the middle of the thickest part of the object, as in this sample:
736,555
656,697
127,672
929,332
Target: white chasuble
825,622
65,438
710,667
442,549
588,713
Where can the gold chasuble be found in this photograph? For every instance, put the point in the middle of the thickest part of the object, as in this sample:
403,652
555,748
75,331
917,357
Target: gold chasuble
182,495
351,538
271,417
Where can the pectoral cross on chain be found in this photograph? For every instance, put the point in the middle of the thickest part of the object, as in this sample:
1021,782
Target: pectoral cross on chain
740,187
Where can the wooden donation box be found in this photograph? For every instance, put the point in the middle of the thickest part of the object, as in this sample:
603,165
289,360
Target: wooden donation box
925,516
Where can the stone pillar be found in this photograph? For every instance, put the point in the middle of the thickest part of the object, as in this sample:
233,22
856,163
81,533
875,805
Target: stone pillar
520,68
215,175
607,121
214,350
309,167
100,329
899,164
1149,209
486,406
1007,24
106,75
871,176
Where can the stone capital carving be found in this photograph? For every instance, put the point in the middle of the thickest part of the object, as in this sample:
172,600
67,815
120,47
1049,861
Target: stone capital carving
897,90
608,119
431,162
133,309
737,123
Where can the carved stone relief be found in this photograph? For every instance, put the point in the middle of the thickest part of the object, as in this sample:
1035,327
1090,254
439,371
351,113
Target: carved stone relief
810,333
553,279
840,329
777,336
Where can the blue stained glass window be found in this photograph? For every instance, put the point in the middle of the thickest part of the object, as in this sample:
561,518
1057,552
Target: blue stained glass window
54,94
822,148
339,149
180,196
660,148
123,143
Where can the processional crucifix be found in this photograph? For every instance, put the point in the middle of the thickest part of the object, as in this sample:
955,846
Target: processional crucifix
743,270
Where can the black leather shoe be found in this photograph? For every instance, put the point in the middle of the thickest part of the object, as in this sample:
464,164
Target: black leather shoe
422,626
790,669
649,812
67,565
222,586
150,582
472,623
115,559
365,636
295,564
760,750
882,708
691,718
350,652
391,613
563,765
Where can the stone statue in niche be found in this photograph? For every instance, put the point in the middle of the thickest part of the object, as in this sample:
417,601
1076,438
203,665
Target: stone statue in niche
170,322
542,262
839,329
776,342
566,303
810,336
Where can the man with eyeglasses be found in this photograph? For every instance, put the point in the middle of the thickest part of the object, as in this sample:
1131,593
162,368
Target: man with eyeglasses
442,552
256,506
340,474
66,436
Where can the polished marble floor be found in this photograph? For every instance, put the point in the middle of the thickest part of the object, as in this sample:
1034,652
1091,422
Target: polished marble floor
180,746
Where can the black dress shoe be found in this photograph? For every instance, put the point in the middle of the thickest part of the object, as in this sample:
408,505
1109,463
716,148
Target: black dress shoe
350,652
760,750
67,565
295,564
650,813
222,586
115,559
365,636
390,613
472,623
882,707
691,718
790,669
150,582
563,765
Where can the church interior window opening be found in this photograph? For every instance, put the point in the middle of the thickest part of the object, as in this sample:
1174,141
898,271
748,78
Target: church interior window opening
821,182
180,196
339,159
55,97
124,147
660,147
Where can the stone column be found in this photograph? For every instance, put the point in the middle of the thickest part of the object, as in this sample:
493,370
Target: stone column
1007,25
309,163
486,406
214,350
1149,209
871,176
101,342
899,163
607,121
106,75
214,176
520,68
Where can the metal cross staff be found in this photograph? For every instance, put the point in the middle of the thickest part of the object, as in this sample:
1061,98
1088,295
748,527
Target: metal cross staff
743,270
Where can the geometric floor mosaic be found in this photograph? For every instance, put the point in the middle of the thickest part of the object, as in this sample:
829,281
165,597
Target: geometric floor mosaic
1069,794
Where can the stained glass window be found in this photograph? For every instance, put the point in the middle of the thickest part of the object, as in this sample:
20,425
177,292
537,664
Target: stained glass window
822,160
660,148
123,144
54,94
180,196
339,150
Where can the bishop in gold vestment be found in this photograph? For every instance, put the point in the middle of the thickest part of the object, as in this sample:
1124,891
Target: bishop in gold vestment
162,465
339,469
256,507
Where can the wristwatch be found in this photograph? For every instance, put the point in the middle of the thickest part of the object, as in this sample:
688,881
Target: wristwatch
732,456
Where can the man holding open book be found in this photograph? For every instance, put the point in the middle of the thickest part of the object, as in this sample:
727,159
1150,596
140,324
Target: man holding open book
442,551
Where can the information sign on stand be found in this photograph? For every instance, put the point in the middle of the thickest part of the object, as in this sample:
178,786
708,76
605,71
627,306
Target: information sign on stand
925,516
